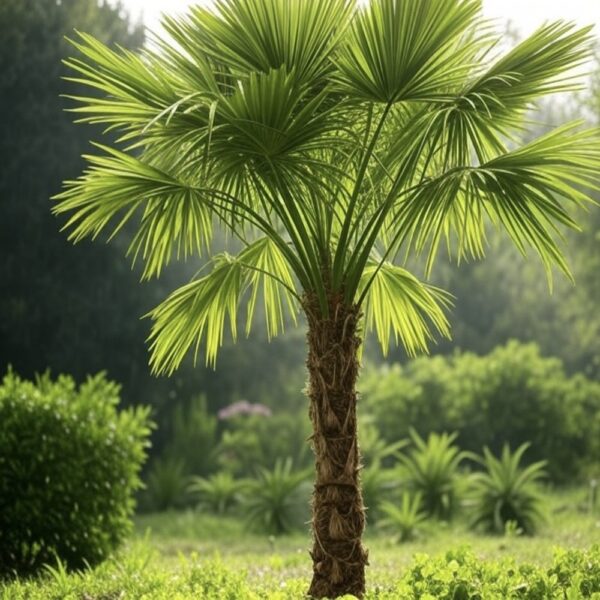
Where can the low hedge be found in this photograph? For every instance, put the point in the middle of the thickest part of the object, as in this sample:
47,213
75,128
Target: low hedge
69,467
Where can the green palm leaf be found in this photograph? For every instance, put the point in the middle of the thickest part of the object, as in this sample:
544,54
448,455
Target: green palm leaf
400,50
198,311
398,304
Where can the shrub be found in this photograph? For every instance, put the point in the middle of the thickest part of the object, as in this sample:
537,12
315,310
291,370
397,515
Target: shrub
273,501
431,469
166,484
507,492
251,440
69,466
218,493
512,395
377,482
404,520
193,439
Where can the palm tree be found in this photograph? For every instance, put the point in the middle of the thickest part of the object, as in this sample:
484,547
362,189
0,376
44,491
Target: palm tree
332,140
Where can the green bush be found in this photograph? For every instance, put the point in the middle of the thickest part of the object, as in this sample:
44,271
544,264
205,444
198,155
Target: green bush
69,467
192,437
250,440
166,484
431,469
377,486
512,395
507,492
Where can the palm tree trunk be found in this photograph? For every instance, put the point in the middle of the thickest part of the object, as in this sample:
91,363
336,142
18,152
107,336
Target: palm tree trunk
339,558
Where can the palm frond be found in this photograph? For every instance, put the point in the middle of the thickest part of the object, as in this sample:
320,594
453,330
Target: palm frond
260,35
398,304
197,312
403,50
522,191
175,218
138,89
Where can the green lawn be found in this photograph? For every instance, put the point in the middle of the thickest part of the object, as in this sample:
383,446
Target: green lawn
170,534
184,555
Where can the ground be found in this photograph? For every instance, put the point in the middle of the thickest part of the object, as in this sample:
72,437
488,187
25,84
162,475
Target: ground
184,555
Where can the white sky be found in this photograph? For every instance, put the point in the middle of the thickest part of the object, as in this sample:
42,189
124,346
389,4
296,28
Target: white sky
525,14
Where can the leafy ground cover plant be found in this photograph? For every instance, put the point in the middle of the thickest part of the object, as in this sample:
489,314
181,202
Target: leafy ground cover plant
431,469
455,575
69,468
330,149
507,492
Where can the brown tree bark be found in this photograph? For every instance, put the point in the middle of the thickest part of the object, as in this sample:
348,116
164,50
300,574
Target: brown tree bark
339,558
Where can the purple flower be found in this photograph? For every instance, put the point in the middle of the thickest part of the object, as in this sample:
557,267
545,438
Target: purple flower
243,407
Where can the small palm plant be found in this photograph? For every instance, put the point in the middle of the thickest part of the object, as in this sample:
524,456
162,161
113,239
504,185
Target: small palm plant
218,493
376,481
166,483
431,468
377,484
331,139
404,520
273,500
508,493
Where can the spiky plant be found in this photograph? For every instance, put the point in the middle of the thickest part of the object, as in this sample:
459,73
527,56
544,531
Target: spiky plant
331,139
273,501
404,520
218,493
431,469
508,492
166,483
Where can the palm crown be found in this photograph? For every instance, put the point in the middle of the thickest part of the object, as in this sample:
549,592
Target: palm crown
329,140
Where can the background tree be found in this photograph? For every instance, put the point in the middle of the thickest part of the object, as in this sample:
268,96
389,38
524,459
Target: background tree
330,141
54,298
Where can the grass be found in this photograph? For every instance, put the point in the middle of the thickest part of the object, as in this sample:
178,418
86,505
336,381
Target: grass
186,554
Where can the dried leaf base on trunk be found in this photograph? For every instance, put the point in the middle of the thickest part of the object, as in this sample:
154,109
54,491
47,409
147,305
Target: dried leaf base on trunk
339,558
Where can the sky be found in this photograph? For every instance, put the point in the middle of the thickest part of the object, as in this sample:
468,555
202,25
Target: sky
527,15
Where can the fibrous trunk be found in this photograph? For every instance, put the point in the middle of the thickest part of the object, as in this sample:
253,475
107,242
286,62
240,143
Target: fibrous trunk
339,558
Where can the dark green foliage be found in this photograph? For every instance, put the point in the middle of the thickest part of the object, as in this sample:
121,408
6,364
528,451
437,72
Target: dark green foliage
253,440
193,437
512,395
69,466
431,469
50,293
506,492
166,484
274,502
403,520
